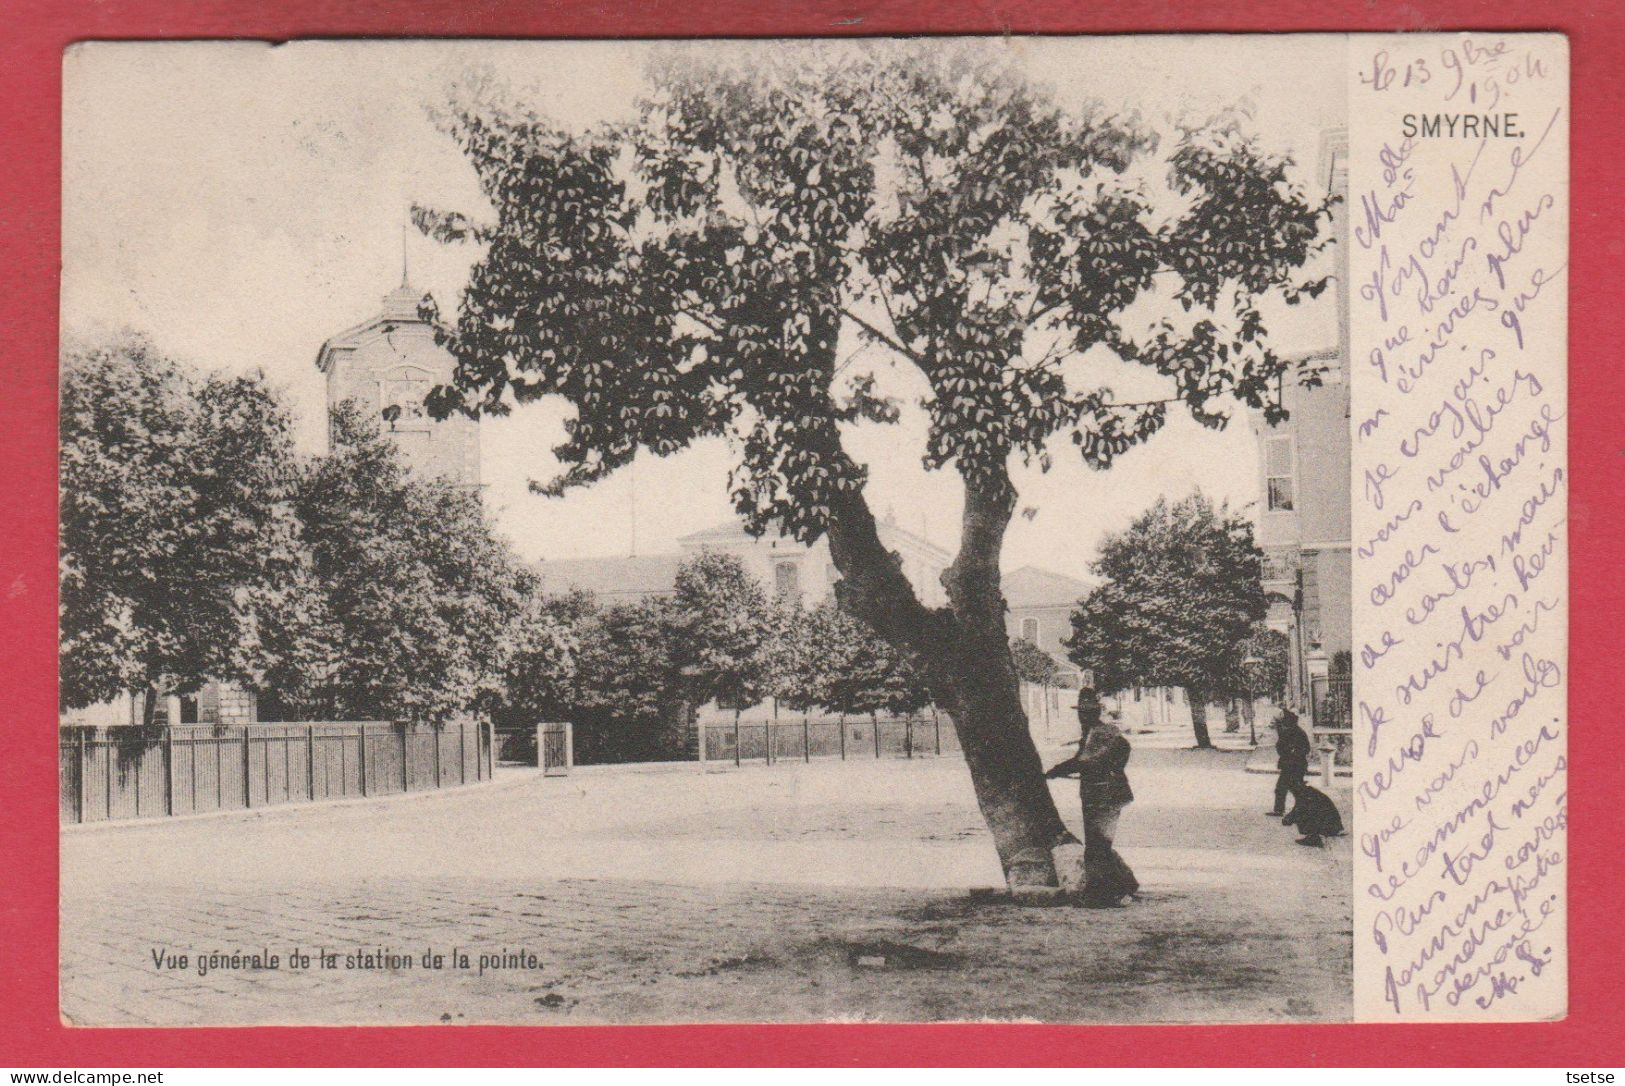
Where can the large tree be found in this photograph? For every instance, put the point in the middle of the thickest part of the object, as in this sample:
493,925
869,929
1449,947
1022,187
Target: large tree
181,557
1178,604
705,269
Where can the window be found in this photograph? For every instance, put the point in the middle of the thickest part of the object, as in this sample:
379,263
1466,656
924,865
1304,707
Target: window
1029,630
1278,474
787,580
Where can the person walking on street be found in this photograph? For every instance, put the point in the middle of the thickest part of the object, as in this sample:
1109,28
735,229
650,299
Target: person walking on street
1291,759
1100,767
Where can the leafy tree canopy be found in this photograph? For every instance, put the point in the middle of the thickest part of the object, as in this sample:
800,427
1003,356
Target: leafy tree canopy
692,273
181,557
1033,664
1178,603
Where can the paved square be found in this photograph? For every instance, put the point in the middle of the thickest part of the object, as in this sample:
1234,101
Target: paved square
830,891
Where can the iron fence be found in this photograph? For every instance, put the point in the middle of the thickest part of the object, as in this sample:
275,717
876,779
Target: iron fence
1331,715
107,774
773,741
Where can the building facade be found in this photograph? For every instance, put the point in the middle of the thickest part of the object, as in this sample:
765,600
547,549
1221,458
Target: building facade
1304,504
784,567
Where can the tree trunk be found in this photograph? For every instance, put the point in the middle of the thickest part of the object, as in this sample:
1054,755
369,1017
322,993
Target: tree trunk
970,672
1232,717
1198,702
1247,714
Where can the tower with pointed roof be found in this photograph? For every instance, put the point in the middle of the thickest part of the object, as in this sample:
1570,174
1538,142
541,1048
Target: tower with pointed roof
386,365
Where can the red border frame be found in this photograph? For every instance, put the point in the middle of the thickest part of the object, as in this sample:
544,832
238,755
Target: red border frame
31,46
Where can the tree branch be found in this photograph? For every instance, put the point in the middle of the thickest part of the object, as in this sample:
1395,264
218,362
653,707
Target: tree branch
888,340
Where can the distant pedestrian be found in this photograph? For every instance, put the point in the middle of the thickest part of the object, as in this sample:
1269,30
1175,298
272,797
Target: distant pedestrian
1315,815
1291,759
1100,766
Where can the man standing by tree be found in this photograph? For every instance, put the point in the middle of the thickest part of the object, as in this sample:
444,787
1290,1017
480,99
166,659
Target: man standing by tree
703,270
1100,767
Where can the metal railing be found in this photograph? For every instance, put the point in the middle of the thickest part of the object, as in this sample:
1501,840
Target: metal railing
1331,716
107,774
801,741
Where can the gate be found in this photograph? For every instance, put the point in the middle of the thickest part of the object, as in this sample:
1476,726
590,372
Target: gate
555,748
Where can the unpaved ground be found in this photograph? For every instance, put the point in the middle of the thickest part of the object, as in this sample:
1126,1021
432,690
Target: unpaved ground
796,892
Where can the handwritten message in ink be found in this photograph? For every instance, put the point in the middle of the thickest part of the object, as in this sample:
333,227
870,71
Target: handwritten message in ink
1457,264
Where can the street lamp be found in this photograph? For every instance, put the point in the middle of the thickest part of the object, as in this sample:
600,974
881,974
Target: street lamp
1251,661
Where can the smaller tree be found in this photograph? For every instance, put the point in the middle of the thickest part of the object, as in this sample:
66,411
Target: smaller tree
720,625
1033,664
624,696
418,593
1180,596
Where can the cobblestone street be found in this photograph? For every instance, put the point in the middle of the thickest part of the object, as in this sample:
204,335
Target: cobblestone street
793,892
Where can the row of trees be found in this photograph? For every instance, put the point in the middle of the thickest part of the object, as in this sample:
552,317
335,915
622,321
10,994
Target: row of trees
642,670
196,544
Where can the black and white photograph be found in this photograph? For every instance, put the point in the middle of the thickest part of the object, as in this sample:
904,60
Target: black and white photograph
687,532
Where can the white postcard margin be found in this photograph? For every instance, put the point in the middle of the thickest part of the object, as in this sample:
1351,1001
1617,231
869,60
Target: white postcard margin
1457,257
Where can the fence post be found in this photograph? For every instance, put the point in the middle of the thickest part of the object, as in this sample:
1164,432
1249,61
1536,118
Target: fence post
406,773
806,740
437,734
842,727
767,733
248,800
310,762
541,747
736,739
569,746
462,751
908,736
79,792
936,724
363,761
874,726
169,771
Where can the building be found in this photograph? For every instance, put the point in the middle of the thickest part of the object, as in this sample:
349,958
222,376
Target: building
1303,509
387,365
787,568
1040,604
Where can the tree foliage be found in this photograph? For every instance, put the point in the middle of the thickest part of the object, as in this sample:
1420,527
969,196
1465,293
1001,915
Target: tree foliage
420,597
720,627
1033,664
181,558
691,274
1180,597
1263,666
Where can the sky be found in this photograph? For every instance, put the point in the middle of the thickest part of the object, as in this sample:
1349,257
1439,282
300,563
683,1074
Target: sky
240,203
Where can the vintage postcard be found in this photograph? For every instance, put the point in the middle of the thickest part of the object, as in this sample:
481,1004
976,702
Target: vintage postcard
1052,529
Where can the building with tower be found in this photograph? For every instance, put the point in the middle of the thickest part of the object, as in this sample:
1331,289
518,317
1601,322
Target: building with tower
387,365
